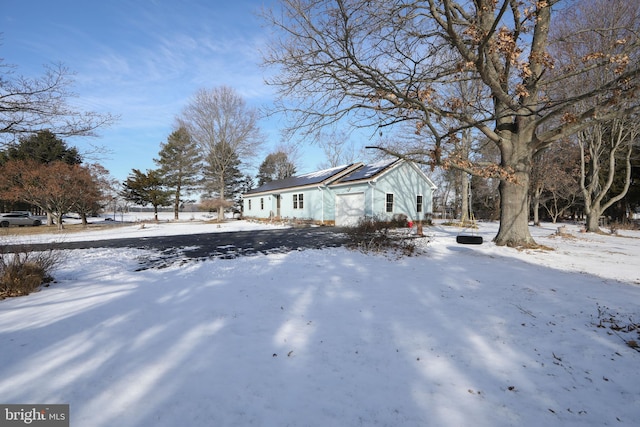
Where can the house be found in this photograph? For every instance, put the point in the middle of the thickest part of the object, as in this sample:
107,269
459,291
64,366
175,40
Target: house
344,194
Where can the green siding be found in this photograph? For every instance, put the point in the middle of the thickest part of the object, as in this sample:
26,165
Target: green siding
404,181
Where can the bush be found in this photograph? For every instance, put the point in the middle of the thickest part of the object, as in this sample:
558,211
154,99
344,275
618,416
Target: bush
24,271
374,235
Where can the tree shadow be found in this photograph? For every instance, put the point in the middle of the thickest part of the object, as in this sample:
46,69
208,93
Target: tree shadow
320,338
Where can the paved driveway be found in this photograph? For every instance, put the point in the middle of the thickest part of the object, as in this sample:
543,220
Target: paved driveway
217,245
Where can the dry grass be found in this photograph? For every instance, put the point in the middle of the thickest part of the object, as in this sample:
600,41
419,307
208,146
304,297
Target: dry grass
53,229
24,271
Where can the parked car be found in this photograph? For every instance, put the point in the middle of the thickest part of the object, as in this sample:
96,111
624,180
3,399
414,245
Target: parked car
18,218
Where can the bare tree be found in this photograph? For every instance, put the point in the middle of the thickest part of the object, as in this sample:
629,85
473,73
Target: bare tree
95,181
29,105
591,33
54,187
554,180
225,129
378,63
602,150
337,147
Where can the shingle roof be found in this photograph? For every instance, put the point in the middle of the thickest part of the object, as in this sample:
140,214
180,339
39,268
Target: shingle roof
301,180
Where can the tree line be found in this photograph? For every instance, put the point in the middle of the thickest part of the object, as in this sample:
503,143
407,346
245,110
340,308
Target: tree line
42,172
490,88
215,134
593,175
519,76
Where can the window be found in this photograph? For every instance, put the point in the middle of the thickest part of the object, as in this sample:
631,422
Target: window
262,203
249,207
419,204
298,201
389,202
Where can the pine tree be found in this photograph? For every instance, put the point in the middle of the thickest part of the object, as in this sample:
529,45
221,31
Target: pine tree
275,166
43,147
246,184
180,166
146,188
226,131
223,183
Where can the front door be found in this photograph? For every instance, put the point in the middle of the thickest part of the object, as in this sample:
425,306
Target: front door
278,206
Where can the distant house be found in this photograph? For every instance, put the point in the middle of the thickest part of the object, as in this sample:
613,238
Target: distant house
344,194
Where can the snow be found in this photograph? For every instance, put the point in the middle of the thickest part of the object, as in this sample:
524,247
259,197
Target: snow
455,336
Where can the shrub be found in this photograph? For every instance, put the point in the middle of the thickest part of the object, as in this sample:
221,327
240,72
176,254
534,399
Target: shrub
24,271
399,221
374,235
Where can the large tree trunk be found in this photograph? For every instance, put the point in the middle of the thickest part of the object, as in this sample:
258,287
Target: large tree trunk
593,220
464,214
176,204
536,206
514,216
221,208
514,194
58,219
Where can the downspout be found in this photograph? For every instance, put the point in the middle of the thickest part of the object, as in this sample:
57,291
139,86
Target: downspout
322,204
371,183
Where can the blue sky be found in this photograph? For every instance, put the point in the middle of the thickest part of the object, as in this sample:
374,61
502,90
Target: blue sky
143,60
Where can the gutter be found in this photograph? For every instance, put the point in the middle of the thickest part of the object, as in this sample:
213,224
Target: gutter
322,202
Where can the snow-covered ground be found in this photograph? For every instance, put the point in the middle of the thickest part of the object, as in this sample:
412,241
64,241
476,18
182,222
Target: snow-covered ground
457,336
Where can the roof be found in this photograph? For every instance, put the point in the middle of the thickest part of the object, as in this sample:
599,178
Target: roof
313,178
368,171
335,176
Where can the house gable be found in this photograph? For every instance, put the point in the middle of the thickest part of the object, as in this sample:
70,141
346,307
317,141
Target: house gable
375,171
313,179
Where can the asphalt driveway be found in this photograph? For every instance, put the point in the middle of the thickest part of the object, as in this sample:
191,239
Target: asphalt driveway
217,245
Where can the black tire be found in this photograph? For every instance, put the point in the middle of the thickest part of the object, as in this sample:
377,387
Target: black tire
37,223
4,224
469,240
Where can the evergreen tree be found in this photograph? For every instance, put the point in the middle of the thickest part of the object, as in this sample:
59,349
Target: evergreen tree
226,131
275,166
222,183
146,188
43,147
246,184
180,164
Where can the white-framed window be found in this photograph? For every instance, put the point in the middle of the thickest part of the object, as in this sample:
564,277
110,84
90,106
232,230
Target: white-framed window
298,201
419,203
389,202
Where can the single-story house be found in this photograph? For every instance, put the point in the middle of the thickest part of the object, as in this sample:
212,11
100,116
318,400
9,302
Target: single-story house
344,194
